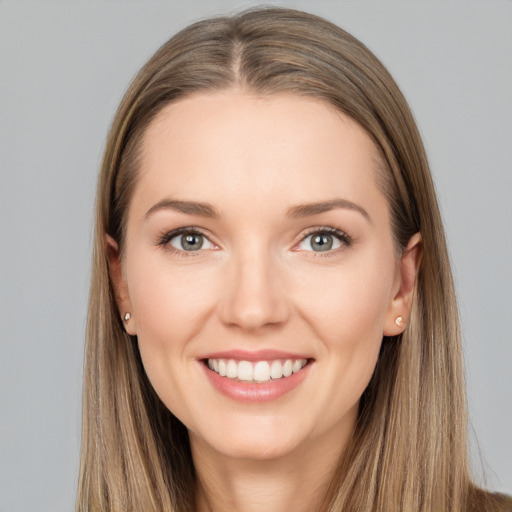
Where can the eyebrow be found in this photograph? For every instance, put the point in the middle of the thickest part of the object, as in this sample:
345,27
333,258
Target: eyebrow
309,209
188,207
295,212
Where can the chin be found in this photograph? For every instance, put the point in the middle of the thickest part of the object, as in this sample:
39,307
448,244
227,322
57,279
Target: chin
263,441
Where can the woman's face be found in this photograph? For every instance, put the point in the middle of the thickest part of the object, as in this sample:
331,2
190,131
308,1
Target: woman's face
259,244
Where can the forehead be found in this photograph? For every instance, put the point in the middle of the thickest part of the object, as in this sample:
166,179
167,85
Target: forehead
233,148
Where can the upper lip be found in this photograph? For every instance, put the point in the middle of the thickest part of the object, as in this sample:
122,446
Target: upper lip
257,355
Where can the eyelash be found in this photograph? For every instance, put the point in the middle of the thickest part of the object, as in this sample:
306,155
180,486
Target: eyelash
343,237
168,236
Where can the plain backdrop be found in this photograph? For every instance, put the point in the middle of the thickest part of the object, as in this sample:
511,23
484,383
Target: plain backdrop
63,69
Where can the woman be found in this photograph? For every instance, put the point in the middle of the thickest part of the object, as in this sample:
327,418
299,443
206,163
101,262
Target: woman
272,318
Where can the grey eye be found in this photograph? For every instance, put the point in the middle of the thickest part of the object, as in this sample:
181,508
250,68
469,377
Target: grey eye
190,242
319,242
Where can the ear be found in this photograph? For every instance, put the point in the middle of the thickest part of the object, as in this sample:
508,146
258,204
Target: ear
399,309
119,284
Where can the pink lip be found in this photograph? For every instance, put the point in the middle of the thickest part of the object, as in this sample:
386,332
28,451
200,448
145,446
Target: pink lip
260,355
248,392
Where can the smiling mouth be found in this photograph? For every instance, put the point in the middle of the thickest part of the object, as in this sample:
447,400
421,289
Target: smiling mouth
255,371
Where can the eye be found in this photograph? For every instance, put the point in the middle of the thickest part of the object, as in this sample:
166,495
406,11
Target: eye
324,239
189,240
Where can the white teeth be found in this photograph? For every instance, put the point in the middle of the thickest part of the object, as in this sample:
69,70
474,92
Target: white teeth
245,371
288,368
232,369
259,371
276,370
296,366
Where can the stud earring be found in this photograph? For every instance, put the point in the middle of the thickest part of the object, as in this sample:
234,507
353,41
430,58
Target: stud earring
399,321
127,317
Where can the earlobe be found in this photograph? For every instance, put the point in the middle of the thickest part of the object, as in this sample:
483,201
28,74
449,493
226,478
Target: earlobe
119,284
400,306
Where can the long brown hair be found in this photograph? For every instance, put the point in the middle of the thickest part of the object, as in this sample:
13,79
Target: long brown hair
408,452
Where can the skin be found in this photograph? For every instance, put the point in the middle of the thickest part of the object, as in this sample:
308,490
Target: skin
258,283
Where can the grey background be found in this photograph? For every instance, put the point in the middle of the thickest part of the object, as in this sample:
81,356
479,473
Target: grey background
63,69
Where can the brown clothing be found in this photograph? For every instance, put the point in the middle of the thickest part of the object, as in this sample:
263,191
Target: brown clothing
501,502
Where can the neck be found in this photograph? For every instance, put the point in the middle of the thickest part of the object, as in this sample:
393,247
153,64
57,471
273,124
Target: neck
297,481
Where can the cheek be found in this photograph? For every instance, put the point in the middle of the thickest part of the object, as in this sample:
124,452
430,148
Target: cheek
170,303
346,309
171,307
349,302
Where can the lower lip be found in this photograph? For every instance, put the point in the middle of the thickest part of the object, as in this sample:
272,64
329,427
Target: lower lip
255,392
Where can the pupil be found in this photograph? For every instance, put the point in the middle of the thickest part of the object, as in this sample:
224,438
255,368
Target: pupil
322,242
191,242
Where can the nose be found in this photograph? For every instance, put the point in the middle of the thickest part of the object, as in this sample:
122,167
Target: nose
254,295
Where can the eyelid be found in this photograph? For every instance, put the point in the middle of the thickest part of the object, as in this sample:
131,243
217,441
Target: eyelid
345,239
165,237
